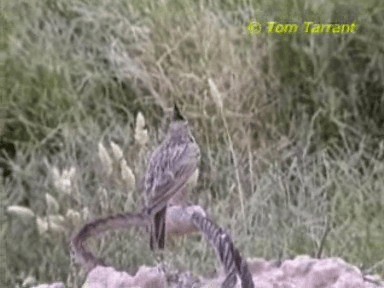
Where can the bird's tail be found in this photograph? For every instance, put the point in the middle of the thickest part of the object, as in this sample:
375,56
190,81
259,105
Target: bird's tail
157,233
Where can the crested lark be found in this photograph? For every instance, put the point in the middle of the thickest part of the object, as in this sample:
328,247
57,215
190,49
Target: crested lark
171,167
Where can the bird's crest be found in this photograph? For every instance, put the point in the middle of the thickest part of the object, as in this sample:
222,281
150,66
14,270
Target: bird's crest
177,114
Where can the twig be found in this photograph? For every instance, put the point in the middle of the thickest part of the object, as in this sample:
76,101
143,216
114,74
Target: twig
323,238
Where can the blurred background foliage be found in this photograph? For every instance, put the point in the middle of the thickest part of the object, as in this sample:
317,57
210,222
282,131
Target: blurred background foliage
296,149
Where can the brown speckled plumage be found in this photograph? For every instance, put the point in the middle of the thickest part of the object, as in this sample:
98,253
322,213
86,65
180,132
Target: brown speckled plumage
171,166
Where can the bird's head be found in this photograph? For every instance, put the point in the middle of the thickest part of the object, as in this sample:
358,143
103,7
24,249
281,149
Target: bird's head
178,127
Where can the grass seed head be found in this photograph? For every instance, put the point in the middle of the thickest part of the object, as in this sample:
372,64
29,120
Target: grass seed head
127,175
24,213
52,205
215,93
73,216
117,152
105,159
141,134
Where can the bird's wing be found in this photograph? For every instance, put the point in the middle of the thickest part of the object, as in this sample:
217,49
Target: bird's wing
182,164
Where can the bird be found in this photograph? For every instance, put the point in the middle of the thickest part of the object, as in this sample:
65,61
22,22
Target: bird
171,167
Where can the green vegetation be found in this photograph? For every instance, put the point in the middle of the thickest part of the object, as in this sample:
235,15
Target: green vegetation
298,143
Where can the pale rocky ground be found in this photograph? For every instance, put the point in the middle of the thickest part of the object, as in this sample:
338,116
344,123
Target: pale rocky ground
300,272
303,271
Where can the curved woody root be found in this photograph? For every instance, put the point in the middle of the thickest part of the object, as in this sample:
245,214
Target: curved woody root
227,253
79,251
303,271
225,250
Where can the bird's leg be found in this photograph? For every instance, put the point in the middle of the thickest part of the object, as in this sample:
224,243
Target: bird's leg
159,257
159,260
